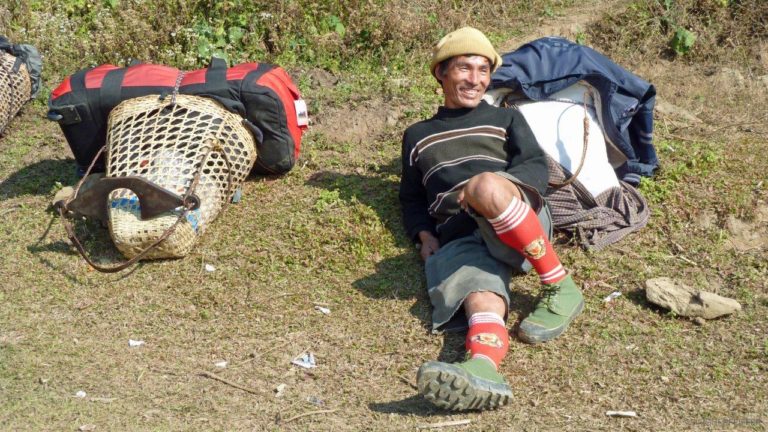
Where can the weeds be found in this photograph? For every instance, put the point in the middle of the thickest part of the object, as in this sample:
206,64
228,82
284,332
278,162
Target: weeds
712,30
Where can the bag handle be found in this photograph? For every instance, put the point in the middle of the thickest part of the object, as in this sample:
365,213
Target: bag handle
216,77
575,174
110,93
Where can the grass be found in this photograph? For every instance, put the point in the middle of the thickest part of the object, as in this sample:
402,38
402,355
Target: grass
328,234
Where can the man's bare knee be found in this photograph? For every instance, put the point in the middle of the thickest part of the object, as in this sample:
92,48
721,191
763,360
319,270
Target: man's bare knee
489,193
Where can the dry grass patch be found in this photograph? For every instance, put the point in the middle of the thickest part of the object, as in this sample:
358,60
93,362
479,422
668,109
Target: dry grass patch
328,234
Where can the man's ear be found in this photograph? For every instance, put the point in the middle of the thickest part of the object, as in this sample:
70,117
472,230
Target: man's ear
439,74
440,70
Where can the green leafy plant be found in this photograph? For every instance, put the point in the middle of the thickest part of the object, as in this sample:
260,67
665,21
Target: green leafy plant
581,38
327,200
333,23
682,41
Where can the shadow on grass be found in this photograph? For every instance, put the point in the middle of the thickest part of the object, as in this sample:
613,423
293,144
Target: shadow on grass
397,278
39,178
377,191
400,277
413,405
95,239
61,247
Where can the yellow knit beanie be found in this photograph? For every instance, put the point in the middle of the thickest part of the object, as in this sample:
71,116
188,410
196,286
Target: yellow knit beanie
464,41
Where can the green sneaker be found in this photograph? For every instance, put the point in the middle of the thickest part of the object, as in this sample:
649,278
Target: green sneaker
471,385
558,305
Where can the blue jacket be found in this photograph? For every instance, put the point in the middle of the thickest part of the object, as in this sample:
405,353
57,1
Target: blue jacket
547,65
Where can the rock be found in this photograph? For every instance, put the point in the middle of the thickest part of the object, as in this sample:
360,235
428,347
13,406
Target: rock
763,79
67,191
63,194
706,219
666,108
321,78
763,54
688,301
391,119
729,76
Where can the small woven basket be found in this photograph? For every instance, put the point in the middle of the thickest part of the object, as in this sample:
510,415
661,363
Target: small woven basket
15,88
168,144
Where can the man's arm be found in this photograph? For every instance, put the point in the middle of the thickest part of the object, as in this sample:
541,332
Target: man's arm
528,162
413,200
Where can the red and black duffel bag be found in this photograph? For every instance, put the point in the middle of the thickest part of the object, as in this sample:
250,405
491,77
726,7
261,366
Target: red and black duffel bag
263,94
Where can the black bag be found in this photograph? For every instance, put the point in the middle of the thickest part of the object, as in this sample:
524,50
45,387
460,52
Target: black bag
263,94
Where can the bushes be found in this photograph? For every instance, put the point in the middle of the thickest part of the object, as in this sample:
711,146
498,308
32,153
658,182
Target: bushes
185,33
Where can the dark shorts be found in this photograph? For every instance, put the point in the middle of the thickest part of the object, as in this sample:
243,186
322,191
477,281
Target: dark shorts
479,262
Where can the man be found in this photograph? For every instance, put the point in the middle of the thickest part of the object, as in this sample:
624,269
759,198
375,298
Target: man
471,197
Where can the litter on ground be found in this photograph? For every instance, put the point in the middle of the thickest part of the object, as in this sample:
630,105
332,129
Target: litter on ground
306,360
621,414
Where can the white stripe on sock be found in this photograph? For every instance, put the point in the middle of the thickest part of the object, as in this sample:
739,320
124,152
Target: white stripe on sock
516,216
553,277
485,317
552,272
504,213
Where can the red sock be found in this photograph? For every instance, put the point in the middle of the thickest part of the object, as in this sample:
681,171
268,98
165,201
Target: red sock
519,228
487,337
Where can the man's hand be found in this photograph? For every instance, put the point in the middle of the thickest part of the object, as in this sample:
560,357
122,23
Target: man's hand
429,244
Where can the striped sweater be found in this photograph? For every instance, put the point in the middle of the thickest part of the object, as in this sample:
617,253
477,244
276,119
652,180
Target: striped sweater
441,154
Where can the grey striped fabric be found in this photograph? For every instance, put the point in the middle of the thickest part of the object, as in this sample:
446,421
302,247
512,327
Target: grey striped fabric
595,222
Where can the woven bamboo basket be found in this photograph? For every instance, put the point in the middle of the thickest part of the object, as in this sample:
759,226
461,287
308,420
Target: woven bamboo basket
15,88
168,144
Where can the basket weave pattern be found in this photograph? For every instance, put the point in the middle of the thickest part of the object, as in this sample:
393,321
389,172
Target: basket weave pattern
166,144
15,88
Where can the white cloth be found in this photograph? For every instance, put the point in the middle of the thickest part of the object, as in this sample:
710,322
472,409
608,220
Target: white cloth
558,125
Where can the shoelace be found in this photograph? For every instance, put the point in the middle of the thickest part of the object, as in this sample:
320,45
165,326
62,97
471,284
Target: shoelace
547,293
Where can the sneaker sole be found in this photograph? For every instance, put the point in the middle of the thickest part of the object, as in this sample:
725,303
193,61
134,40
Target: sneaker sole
453,388
544,335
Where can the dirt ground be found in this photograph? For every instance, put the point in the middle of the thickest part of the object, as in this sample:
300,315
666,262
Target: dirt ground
218,344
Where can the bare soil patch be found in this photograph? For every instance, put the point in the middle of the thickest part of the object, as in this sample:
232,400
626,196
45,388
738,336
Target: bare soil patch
362,122
570,24
749,235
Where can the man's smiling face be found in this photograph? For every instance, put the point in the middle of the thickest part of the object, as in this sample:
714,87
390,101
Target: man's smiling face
464,80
